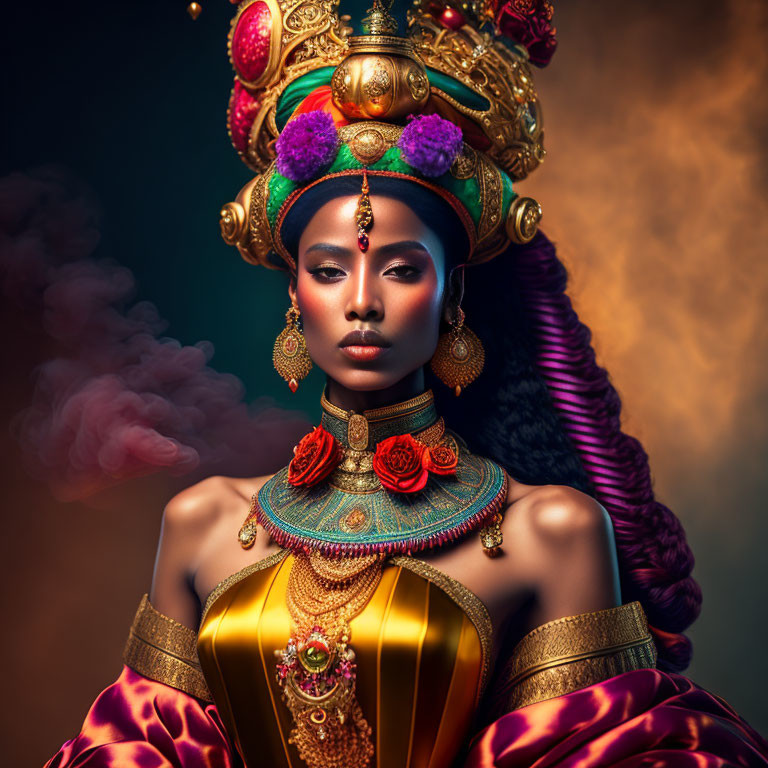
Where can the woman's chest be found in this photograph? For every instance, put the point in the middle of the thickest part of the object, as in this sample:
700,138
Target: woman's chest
421,646
503,593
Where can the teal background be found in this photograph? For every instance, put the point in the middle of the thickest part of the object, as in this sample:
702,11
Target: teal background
132,98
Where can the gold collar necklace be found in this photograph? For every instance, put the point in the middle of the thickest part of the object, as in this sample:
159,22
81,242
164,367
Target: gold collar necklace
389,480
364,431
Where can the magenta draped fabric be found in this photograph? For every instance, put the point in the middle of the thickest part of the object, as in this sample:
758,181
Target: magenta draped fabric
643,718
138,723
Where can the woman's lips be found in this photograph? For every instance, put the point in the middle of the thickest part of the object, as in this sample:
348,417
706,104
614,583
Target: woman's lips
364,345
365,353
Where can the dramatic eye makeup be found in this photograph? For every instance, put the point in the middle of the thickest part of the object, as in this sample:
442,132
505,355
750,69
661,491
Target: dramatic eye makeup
404,270
326,273
406,261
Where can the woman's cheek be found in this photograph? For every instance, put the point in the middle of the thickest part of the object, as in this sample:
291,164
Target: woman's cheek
418,307
311,304
318,315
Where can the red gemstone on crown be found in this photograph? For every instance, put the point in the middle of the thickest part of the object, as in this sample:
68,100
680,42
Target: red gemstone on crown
451,19
251,41
363,242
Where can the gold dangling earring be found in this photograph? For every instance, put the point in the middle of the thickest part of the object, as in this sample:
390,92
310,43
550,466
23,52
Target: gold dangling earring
459,357
290,356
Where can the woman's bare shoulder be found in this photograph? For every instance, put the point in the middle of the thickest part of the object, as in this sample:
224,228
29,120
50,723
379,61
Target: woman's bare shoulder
556,512
560,541
194,521
206,502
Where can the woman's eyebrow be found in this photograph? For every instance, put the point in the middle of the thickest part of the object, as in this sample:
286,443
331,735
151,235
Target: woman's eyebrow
328,248
403,245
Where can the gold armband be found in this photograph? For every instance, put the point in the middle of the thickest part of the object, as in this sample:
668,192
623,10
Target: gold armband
164,650
571,653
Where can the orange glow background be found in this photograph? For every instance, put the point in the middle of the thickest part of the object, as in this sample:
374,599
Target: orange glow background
656,191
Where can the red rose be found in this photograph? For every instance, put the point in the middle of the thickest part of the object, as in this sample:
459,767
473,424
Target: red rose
399,464
440,460
315,457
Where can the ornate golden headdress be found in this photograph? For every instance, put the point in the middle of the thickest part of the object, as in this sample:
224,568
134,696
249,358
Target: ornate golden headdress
449,103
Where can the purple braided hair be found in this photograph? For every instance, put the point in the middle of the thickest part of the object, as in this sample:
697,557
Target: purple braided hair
655,559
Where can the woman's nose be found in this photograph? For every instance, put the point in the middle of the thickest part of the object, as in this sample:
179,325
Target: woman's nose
364,300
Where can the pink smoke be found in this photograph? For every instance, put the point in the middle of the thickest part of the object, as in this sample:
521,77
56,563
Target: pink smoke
116,401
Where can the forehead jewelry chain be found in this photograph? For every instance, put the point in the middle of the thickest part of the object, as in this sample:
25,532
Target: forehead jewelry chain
317,670
364,215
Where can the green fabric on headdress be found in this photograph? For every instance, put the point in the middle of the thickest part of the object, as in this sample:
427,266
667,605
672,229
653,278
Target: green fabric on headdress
466,190
298,90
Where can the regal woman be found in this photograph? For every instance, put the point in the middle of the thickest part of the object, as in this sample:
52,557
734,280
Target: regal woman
463,563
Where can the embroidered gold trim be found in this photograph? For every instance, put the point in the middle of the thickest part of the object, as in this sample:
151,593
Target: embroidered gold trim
467,600
225,584
574,652
432,436
164,650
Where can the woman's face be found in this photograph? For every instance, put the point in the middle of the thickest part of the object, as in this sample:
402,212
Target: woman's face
370,319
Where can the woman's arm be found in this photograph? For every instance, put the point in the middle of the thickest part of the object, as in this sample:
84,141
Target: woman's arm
158,711
188,520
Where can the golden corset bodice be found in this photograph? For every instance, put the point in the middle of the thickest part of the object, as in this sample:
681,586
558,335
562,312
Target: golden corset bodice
422,645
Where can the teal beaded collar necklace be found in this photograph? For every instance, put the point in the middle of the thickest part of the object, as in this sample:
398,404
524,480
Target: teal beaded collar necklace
390,480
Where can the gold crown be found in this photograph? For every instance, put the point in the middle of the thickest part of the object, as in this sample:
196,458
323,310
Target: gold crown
284,50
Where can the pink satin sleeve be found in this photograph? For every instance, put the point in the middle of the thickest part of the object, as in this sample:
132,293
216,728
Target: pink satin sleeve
140,723
641,718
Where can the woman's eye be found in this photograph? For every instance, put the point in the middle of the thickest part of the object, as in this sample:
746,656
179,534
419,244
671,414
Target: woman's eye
403,271
326,273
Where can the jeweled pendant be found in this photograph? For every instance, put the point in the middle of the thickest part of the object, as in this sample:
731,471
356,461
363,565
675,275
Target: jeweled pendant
247,534
363,242
491,536
194,10
315,653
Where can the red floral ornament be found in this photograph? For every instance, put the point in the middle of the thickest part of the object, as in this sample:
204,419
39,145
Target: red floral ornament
440,460
315,457
403,464
399,464
529,22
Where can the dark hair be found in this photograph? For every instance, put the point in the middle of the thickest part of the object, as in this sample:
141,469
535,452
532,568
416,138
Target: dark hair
433,210
546,411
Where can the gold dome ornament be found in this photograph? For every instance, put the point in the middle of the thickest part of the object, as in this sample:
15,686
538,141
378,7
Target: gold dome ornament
459,358
523,220
194,10
381,78
290,356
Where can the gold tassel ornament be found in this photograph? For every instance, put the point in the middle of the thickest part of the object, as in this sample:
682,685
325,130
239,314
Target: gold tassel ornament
364,216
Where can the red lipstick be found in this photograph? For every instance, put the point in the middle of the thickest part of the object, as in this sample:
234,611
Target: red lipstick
363,352
365,345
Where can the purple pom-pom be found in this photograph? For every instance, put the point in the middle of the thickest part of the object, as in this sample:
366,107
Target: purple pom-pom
307,145
430,144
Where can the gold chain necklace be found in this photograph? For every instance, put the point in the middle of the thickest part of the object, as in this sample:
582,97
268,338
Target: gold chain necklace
316,670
